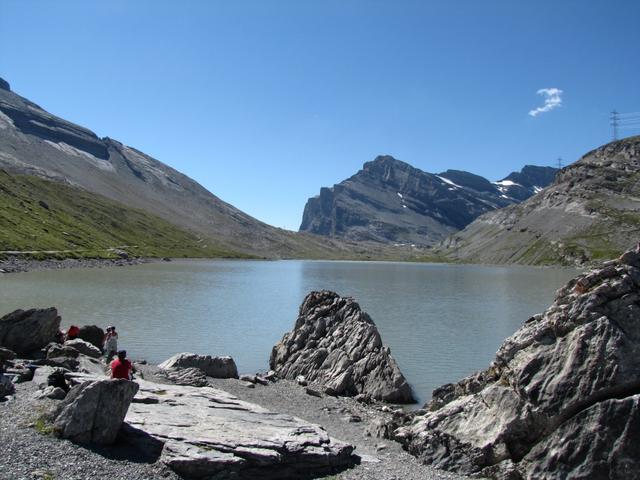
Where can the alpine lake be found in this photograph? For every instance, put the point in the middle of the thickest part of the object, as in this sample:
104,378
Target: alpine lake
441,321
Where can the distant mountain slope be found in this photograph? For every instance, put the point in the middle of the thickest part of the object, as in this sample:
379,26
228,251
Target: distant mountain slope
391,201
34,142
40,215
591,212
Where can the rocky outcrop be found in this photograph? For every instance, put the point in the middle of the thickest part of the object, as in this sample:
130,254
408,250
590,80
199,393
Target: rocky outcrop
27,331
186,376
92,334
216,367
561,396
208,433
589,214
84,348
93,411
335,344
390,201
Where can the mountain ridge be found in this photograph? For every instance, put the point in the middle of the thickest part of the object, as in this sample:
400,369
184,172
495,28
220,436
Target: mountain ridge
391,201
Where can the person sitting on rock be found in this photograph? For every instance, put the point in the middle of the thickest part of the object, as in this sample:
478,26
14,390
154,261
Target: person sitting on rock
72,333
121,367
110,343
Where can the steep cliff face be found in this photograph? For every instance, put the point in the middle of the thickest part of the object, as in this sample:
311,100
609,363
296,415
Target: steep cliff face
34,142
591,212
391,201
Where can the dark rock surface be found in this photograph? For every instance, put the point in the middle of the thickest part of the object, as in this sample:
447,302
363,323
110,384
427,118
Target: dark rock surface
27,331
93,411
392,202
590,213
561,398
92,334
216,367
337,345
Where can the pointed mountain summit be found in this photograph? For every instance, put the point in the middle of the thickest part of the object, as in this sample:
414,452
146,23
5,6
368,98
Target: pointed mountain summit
390,201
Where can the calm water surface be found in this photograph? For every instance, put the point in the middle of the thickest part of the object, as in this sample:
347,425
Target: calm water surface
442,322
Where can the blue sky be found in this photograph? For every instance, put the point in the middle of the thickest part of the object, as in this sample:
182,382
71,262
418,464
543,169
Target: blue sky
263,102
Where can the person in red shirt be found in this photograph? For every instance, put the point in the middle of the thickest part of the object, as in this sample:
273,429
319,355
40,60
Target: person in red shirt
72,333
121,367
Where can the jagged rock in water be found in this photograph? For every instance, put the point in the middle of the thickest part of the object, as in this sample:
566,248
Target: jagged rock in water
561,398
92,334
216,367
83,347
336,344
27,331
93,411
208,433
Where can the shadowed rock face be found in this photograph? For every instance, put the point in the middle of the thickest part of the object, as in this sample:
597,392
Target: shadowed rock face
27,331
335,344
391,201
561,396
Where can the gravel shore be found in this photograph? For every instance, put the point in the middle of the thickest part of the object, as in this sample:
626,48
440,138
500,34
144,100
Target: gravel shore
28,454
16,265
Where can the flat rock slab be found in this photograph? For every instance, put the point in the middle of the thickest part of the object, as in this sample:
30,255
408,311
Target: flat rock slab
209,433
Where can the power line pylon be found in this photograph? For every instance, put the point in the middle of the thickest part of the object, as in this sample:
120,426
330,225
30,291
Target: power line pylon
615,122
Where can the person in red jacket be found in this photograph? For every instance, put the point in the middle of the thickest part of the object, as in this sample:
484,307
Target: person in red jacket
73,332
121,367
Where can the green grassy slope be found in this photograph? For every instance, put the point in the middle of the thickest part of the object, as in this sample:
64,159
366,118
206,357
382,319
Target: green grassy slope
42,216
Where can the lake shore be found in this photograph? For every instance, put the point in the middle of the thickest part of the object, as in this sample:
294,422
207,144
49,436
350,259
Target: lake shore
14,264
32,454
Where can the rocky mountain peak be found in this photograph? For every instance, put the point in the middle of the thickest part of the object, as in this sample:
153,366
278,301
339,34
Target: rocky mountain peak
4,85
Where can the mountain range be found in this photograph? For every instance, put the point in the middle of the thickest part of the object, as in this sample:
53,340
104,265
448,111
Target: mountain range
591,212
35,142
390,201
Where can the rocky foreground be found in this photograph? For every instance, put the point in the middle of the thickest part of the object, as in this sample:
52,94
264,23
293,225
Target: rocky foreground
561,399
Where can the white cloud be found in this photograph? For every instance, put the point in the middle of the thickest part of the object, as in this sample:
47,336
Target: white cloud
552,99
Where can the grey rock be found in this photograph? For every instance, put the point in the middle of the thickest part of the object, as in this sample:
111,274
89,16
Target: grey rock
28,331
337,345
216,367
54,393
560,396
187,376
6,354
300,380
313,392
208,433
92,334
84,347
41,375
55,350
93,411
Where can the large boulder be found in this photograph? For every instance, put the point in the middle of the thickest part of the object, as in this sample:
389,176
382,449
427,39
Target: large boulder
93,411
216,367
209,433
6,354
560,400
335,344
27,331
84,348
92,334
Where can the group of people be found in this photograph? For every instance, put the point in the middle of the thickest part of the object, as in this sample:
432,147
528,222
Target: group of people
120,366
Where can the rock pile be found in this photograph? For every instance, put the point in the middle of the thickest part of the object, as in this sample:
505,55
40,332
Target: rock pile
335,344
562,397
